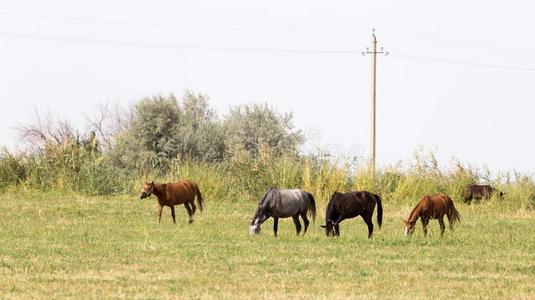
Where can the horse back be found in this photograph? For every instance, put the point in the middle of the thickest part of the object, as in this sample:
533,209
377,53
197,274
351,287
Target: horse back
438,205
354,204
480,191
288,202
180,192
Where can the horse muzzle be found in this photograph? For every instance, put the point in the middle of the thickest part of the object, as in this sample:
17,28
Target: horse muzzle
254,229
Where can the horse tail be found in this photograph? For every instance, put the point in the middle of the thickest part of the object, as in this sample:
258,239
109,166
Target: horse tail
311,206
200,200
379,210
454,215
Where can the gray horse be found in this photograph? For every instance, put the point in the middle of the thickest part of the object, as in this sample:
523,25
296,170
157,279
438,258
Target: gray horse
284,204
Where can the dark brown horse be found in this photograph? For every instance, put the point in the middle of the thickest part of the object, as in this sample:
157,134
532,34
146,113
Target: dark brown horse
350,205
480,191
171,194
432,207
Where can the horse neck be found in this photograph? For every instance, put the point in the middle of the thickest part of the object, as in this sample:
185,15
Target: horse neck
157,190
413,216
331,211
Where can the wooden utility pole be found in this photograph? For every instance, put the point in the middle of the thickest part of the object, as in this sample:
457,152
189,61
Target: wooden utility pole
373,53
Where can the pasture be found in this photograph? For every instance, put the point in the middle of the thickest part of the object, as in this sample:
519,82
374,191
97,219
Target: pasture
61,246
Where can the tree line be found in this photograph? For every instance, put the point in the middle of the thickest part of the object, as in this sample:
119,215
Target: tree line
150,136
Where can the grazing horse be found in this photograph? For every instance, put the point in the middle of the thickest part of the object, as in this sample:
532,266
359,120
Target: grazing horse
283,204
480,191
171,194
350,205
432,207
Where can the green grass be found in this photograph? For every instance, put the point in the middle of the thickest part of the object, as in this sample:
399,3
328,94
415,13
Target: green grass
112,247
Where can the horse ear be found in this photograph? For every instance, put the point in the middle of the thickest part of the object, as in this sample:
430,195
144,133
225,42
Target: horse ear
152,182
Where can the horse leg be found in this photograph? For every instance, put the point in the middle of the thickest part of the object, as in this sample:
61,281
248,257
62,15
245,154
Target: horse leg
297,224
190,212
442,226
305,220
337,226
275,225
336,230
173,213
368,221
425,221
160,209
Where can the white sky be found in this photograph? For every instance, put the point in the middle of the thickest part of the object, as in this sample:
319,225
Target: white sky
482,115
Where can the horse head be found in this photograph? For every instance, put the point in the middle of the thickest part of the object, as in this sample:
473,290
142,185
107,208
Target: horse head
148,188
256,221
409,227
329,228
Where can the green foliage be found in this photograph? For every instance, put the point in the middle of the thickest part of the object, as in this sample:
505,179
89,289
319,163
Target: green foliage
164,130
251,127
239,158
71,167
12,169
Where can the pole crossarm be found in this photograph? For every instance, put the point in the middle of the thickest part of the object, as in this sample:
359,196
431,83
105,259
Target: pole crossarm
374,42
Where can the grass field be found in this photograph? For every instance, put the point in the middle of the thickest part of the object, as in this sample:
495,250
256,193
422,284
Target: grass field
112,247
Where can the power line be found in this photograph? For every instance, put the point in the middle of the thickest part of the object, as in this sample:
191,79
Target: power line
458,62
169,45
188,27
458,43
274,29
190,47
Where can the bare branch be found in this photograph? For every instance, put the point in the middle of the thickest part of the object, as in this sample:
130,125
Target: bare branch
109,121
45,130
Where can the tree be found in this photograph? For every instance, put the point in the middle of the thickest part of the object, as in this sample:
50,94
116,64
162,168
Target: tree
163,130
253,126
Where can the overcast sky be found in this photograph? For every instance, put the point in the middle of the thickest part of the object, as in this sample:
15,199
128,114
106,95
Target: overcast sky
460,77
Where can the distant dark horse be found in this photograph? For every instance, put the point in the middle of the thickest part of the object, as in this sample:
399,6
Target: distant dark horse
171,194
283,204
350,205
480,191
432,207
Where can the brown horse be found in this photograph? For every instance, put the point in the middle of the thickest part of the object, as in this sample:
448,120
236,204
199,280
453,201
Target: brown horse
432,207
171,194
480,191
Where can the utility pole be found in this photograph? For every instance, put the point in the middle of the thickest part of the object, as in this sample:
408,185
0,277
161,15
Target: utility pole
373,53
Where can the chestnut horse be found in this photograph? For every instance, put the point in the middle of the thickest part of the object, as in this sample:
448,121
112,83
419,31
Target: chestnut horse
171,194
432,207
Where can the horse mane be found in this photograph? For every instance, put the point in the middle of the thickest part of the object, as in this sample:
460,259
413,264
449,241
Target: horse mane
330,205
261,201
